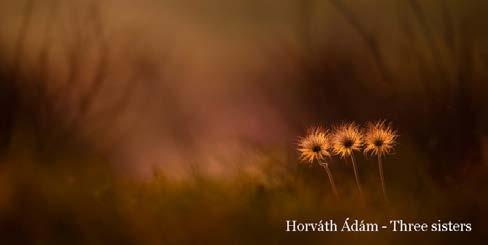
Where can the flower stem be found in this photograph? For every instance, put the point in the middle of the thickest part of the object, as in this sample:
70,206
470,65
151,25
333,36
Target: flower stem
356,175
331,178
382,178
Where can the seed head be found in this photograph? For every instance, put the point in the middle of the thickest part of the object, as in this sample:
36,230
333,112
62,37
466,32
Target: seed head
314,146
379,139
346,139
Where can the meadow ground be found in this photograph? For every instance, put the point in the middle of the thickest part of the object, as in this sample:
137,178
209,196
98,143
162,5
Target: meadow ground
80,200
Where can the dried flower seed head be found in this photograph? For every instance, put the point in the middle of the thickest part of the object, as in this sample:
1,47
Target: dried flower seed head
347,138
314,146
379,139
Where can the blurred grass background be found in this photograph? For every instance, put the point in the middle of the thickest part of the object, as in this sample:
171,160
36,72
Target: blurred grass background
173,122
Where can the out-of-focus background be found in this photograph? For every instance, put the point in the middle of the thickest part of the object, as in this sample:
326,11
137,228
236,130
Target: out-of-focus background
169,122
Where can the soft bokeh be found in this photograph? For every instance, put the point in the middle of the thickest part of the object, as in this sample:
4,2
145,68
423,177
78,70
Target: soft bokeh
177,121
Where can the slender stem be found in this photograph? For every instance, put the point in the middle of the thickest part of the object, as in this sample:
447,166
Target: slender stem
356,175
382,178
331,178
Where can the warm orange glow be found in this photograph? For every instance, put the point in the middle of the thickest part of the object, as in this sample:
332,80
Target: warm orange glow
379,139
315,146
347,138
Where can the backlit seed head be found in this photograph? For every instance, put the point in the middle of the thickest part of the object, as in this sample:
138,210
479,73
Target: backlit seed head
314,146
379,139
346,139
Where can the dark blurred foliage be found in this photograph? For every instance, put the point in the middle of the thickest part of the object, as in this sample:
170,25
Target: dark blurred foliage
440,107
60,176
